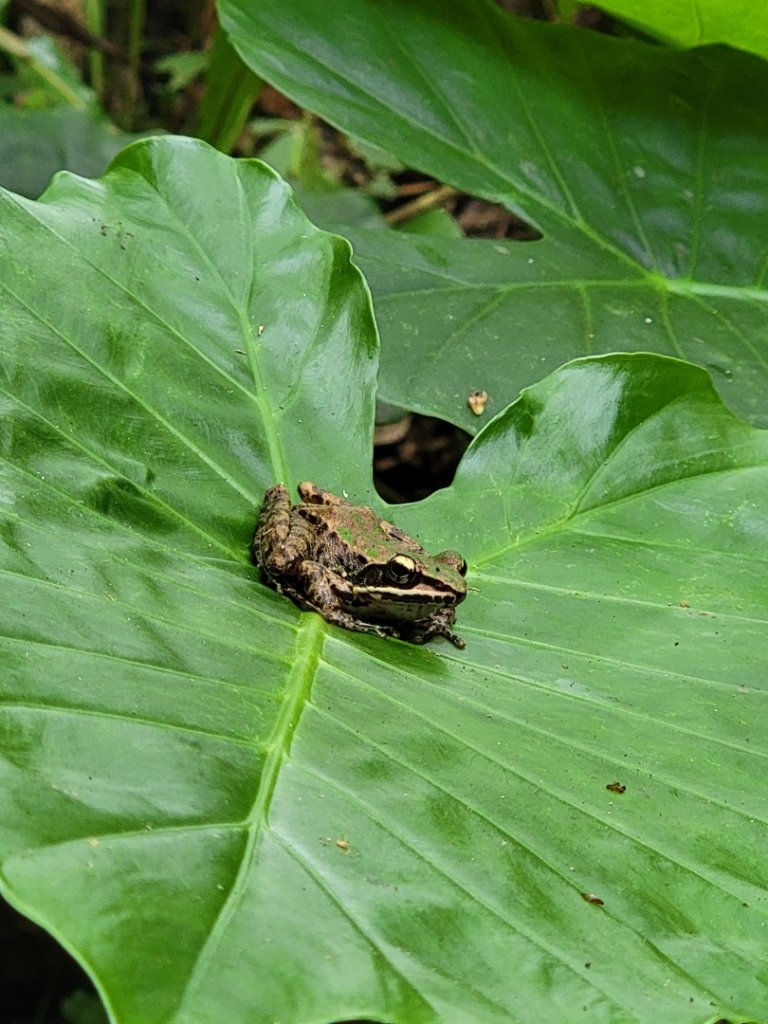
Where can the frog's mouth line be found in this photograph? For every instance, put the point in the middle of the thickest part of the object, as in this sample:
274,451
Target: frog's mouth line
402,596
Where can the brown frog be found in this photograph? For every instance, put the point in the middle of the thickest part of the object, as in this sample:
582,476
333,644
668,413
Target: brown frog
356,569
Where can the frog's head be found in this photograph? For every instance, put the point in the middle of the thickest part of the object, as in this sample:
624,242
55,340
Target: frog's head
408,586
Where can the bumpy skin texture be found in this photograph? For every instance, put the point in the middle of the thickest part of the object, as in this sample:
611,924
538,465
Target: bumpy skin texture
338,559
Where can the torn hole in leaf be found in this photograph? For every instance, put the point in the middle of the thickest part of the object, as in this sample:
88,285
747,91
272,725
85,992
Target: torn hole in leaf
37,976
415,454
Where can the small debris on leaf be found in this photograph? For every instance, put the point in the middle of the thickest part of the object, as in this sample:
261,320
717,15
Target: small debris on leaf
477,402
589,897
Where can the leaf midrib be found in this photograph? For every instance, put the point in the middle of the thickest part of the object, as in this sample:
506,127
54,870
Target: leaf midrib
310,636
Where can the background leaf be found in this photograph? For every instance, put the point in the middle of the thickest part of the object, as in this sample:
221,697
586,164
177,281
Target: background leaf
50,121
739,24
181,751
651,201
230,91
35,144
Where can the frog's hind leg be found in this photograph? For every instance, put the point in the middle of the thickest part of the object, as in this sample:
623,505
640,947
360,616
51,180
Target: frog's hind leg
281,538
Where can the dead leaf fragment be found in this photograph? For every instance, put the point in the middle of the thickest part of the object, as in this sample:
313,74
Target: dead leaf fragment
477,402
591,898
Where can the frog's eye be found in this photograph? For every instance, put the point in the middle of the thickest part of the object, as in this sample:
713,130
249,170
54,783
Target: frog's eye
401,569
454,559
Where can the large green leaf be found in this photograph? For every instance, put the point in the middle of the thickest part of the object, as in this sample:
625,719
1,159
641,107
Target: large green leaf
645,169
181,749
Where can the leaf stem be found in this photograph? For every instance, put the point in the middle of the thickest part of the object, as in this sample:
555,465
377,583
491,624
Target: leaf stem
16,47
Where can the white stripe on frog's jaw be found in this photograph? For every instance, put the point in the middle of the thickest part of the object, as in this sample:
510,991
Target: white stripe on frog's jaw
391,604
427,594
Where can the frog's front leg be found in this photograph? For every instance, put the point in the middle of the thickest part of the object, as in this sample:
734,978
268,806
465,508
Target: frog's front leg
281,537
438,624
319,590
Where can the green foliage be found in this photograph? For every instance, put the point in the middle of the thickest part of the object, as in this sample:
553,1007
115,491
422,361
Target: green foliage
229,810
34,144
645,169
182,748
49,120
183,68
740,23
231,89
44,76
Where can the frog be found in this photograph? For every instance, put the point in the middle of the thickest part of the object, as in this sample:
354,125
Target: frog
355,569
